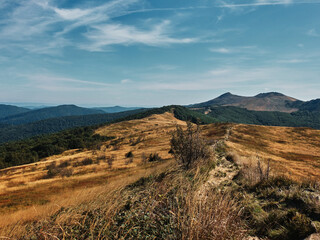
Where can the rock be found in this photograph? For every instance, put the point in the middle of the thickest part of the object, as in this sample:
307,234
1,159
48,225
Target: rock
315,236
316,226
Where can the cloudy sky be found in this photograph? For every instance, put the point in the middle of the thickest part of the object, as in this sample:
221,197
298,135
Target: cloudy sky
153,53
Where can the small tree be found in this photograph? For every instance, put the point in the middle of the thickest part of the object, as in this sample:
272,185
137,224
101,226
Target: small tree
189,146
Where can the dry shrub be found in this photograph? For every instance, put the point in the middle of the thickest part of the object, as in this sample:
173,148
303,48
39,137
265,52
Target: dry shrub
255,171
154,157
67,172
188,146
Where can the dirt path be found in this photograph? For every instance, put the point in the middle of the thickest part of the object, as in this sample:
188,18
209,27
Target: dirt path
224,172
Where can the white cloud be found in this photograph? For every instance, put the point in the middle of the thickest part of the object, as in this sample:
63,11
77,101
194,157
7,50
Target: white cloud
313,33
292,61
165,67
232,78
221,50
39,26
124,81
241,49
51,82
257,3
72,14
112,34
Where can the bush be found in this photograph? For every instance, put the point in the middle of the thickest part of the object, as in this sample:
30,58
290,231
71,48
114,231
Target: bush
87,161
54,170
129,155
66,172
154,157
189,146
64,164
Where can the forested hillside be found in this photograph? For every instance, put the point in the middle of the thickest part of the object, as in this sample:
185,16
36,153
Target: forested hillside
46,113
241,115
9,110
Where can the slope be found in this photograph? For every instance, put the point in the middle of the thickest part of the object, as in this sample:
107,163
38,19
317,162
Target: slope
241,115
293,152
95,170
53,125
30,150
46,113
9,110
107,193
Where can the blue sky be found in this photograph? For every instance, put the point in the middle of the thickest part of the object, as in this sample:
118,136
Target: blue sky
153,53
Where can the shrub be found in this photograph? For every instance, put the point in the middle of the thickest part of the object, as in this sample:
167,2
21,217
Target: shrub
189,146
66,172
64,164
129,155
60,170
154,157
87,161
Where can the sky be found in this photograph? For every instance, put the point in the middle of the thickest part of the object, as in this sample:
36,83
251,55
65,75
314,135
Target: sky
155,53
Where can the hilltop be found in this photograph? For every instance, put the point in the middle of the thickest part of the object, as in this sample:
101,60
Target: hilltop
9,110
116,109
46,113
271,101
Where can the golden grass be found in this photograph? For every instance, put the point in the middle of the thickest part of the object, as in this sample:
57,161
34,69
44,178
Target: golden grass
293,152
26,195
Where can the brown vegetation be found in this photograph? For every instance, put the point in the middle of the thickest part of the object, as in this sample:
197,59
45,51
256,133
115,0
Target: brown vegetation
108,193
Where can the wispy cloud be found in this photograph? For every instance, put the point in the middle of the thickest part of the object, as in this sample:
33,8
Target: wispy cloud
313,33
239,49
230,78
112,34
165,67
40,26
292,61
125,81
57,83
257,3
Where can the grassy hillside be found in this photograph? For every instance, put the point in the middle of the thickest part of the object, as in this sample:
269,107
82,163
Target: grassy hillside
107,193
21,132
31,150
8,110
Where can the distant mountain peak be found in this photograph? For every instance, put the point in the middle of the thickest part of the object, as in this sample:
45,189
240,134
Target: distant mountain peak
226,95
270,101
270,94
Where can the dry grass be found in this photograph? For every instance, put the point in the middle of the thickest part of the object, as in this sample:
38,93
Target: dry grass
100,188
293,152
26,193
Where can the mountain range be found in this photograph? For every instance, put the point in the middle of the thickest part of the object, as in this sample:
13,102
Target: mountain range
272,101
271,109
